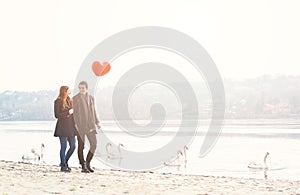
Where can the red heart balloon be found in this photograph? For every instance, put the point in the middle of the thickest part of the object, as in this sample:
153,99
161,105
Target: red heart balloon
100,69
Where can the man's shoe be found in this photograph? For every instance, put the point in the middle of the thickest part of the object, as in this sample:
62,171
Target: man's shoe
88,166
84,168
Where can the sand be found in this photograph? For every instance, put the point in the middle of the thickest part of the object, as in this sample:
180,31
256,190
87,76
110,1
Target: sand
20,178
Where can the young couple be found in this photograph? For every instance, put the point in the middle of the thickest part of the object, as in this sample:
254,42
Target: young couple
76,117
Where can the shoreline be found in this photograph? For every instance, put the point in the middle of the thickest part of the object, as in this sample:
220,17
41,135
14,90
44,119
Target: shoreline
20,178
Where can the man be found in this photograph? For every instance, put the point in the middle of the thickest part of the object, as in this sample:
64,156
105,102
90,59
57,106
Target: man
87,122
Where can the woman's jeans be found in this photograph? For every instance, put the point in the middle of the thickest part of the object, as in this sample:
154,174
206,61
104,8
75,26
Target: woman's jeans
63,147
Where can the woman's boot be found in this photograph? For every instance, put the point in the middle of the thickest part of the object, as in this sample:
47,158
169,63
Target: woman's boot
64,168
68,167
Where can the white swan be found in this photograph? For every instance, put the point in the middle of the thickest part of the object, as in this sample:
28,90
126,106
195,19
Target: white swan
30,157
185,148
257,166
108,154
119,149
179,153
42,154
34,156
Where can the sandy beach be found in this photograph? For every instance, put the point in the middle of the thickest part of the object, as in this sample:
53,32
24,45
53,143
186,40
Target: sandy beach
19,178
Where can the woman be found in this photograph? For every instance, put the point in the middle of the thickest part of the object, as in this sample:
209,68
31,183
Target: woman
65,127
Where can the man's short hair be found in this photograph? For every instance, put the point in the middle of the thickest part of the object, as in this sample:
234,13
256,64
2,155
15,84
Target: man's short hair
84,83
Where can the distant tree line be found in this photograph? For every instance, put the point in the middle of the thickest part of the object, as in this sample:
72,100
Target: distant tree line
262,97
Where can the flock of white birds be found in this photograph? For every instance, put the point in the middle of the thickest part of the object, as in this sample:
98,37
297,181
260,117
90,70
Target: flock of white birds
35,157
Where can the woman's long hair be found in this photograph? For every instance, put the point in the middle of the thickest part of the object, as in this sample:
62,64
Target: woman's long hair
64,97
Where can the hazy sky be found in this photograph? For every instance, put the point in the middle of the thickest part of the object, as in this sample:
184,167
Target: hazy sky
43,43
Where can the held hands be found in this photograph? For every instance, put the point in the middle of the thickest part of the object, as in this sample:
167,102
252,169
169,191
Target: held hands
71,111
